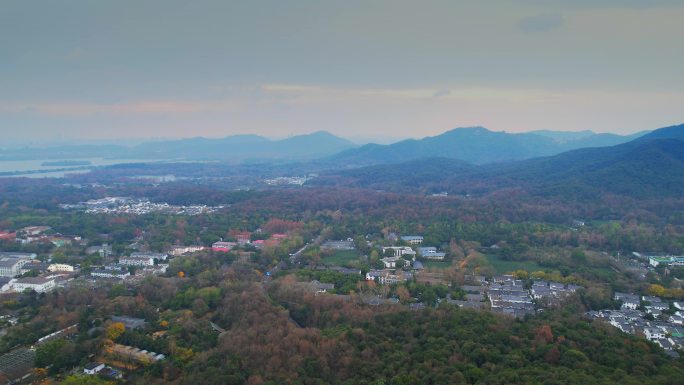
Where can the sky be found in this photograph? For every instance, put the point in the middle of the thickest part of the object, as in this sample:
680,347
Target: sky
126,70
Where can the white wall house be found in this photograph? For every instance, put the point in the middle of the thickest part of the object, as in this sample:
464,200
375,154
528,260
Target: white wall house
60,267
39,284
136,261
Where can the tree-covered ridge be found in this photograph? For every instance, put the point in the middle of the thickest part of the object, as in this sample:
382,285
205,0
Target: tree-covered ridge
348,343
650,166
279,332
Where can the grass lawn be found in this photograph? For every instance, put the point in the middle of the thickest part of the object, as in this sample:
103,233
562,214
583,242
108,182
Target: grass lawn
341,257
502,266
436,265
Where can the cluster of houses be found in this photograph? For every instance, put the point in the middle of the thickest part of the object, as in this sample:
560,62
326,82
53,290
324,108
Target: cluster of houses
145,263
667,260
406,255
50,276
507,295
389,276
136,206
646,316
289,180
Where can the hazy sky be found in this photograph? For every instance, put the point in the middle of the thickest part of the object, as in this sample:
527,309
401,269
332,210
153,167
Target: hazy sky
395,68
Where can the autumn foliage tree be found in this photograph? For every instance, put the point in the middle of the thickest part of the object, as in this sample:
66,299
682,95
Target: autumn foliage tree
115,330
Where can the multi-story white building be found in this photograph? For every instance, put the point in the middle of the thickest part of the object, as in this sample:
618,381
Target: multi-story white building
11,267
11,254
157,256
39,284
180,250
110,273
137,261
412,239
399,251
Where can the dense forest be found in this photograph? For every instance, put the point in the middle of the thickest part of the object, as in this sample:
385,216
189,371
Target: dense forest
336,340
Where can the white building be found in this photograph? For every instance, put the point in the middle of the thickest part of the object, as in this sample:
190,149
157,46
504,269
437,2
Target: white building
630,304
60,267
412,239
93,368
434,255
11,267
157,256
654,333
400,251
12,254
39,284
391,262
180,250
110,273
668,260
137,261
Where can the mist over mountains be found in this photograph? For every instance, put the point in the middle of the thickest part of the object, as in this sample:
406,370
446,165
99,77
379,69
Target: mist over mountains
475,145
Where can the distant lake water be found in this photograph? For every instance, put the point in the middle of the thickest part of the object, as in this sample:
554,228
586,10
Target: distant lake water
35,169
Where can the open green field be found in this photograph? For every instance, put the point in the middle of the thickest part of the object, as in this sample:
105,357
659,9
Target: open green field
341,257
436,265
502,266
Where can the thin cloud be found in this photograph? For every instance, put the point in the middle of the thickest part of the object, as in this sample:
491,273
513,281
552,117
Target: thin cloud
133,108
541,23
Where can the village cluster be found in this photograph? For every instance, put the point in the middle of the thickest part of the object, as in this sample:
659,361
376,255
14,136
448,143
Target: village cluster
657,320
289,180
137,206
503,294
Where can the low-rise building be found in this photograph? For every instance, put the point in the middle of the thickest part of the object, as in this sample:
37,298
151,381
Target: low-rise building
399,251
39,284
181,250
412,239
320,287
653,333
11,267
13,254
93,368
393,262
668,260
223,247
7,236
137,261
60,267
157,256
435,256
104,250
118,272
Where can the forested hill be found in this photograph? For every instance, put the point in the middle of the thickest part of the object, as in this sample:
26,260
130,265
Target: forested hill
477,145
650,166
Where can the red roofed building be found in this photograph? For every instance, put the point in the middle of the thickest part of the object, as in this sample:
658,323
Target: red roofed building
6,235
222,246
243,237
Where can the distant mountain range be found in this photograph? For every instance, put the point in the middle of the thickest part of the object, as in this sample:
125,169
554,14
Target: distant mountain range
477,145
651,165
237,149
